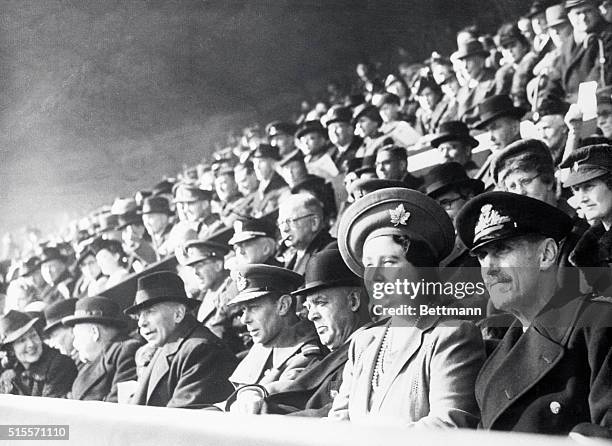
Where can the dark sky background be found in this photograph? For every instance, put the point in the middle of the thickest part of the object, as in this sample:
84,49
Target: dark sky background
101,98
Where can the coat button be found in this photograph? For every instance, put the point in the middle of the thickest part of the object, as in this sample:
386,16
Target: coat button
555,407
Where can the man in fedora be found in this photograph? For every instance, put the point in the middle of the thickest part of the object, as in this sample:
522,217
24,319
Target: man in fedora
206,259
271,185
254,241
455,144
550,374
156,217
479,79
59,336
284,346
341,133
55,271
31,367
104,349
281,134
337,305
191,366
499,117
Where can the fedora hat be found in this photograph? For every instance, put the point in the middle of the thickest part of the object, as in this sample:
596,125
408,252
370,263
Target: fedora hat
55,312
13,325
156,205
95,310
444,176
326,269
470,48
162,286
453,131
496,107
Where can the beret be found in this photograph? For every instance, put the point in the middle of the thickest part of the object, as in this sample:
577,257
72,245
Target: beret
394,211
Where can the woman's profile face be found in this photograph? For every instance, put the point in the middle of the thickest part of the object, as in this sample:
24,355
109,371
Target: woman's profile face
385,263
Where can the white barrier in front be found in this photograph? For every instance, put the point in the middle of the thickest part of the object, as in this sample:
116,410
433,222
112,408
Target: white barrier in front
96,423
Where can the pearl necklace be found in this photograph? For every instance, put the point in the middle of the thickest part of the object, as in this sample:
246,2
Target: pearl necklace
380,360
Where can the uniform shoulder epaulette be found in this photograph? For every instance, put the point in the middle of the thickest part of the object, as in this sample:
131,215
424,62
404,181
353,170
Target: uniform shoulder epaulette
310,350
600,298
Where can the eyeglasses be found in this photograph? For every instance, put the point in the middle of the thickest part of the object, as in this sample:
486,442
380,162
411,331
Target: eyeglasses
447,203
292,221
521,184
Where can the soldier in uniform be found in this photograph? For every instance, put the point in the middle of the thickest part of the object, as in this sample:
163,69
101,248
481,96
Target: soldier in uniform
281,135
550,374
55,271
254,241
271,185
230,199
156,217
284,346
206,259
193,207
248,185
105,350
338,308
32,367
191,366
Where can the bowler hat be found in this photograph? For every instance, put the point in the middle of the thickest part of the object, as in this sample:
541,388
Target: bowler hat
161,286
453,131
259,280
470,48
369,111
280,128
13,325
313,126
51,253
448,175
55,312
266,151
251,228
294,155
156,205
496,107
535,152
495,216
95,310
337,113
587,163
556,15
190,193
394,211
326,269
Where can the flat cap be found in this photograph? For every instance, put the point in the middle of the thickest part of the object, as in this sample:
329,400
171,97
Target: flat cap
259,280
495,216
394,211
588,163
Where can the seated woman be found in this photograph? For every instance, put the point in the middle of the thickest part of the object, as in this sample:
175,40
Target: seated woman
112,261
30,366
414,368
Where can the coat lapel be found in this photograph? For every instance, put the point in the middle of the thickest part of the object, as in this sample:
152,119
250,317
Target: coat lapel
92,374
251,368
368,361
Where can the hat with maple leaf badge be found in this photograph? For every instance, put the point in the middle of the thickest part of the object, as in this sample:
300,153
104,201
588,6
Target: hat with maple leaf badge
394,211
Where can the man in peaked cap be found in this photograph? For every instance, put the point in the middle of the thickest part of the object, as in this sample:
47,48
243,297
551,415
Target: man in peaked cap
56,335
156,217
106,352
133,235
341,133
282,135
193,207
191,366
557,337
254,241
455,143
271,185
231,204
284,346
337,306
54,269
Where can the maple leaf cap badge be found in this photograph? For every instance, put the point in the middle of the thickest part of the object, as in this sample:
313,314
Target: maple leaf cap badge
399,215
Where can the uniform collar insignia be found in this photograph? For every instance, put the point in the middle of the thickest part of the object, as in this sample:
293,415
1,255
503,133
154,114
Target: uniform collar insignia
489,218
399,215
241,282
